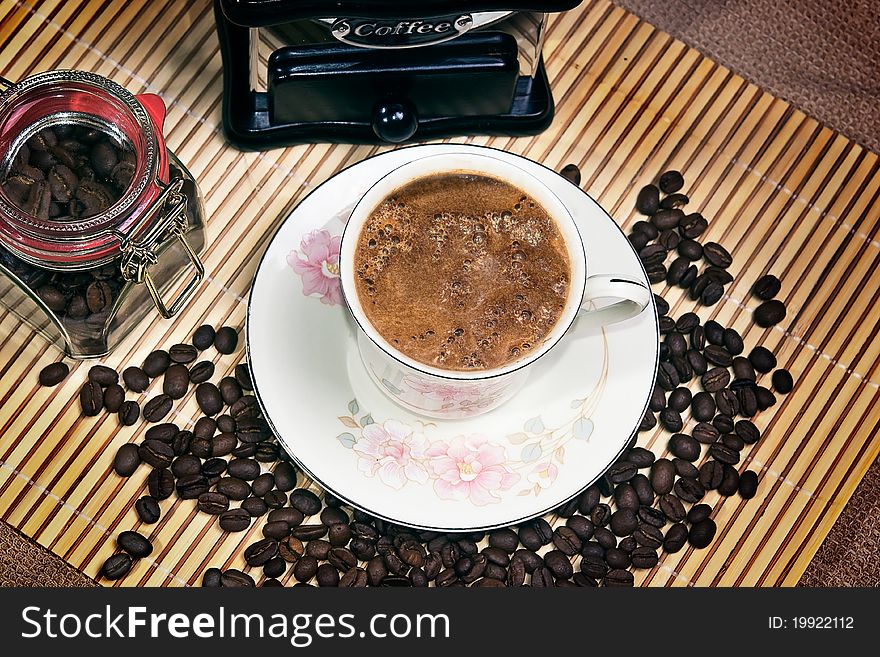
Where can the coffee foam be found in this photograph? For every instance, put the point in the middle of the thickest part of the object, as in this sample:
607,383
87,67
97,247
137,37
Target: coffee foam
462,271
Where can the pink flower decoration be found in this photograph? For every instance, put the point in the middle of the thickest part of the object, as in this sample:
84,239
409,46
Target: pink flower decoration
450,394
470,467
317,262
544,474
394,452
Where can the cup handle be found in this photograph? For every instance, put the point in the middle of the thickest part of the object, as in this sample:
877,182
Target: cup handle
631,296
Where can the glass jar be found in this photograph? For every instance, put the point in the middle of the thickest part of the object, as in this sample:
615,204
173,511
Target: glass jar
84,282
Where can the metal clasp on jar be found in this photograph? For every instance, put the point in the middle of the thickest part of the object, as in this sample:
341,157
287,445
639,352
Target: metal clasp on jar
138,255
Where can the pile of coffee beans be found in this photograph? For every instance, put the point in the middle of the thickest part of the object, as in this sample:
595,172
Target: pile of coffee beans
231,465
67,172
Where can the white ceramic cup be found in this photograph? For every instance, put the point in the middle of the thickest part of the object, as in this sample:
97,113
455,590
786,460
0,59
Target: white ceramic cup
453,394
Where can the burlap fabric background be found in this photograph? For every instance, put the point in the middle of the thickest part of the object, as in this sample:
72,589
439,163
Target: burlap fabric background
822,56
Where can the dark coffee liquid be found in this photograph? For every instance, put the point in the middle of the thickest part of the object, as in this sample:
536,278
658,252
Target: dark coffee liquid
462,271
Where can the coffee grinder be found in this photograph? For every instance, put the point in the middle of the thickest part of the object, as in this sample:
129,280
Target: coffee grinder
378,71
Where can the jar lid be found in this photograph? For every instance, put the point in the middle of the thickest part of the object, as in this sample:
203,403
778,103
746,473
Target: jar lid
80,97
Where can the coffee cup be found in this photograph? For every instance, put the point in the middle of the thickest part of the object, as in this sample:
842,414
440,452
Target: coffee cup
458,394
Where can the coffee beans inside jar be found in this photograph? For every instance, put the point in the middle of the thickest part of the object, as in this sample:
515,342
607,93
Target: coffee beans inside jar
643,508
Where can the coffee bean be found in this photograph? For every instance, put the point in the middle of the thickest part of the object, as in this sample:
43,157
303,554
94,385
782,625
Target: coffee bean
748,401
742,368
702,533
685,468
689,489
671,181
623,522
769,313
723,423
135,544
667,219
680,399
684,446
661,305
711,474
129,413
126,460
697,361
191,486
91,398
669,239
705,433
662,476
766,287
200,447
160,483
53,374
677,200
717,255
666,325
715,379
626,497
304,500
183,353
638,240
213,503
156,363
693,225
148,510
642,486
275,567
703,407
114,397
290,549
212,578
653,253
135,379
504,539
762,359
765,398
257,554
99,295
676,270
234,488
671,420
748,484
729,482
672,508
783,382
618,578
622,471
235,520
176,382
675,538
640,457
718,355
667,376
732,341
157,408
116,567
263,484
208,398
214,467
246,469
727,403
203,337
648,200
103,375
226,340
644,557
309,532
711,294
558,564
156,453
571,173
201,371
164,432
690,250
652,516
275,499
247,406
714,332
233,578
601,515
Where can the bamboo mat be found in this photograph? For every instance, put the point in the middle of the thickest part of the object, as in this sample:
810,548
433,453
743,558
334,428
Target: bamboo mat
783,194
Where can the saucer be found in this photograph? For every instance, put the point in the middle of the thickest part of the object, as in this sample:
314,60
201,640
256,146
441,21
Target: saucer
580,406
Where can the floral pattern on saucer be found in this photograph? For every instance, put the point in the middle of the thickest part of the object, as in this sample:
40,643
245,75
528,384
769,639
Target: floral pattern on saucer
468,467
317,263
